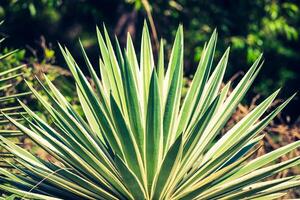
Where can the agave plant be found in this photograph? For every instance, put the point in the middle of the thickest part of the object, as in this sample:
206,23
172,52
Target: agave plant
7,103
137,139
9,78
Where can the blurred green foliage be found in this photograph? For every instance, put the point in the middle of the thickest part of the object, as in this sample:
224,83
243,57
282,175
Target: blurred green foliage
249,27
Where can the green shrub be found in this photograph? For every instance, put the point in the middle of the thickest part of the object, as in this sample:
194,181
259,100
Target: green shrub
137,139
